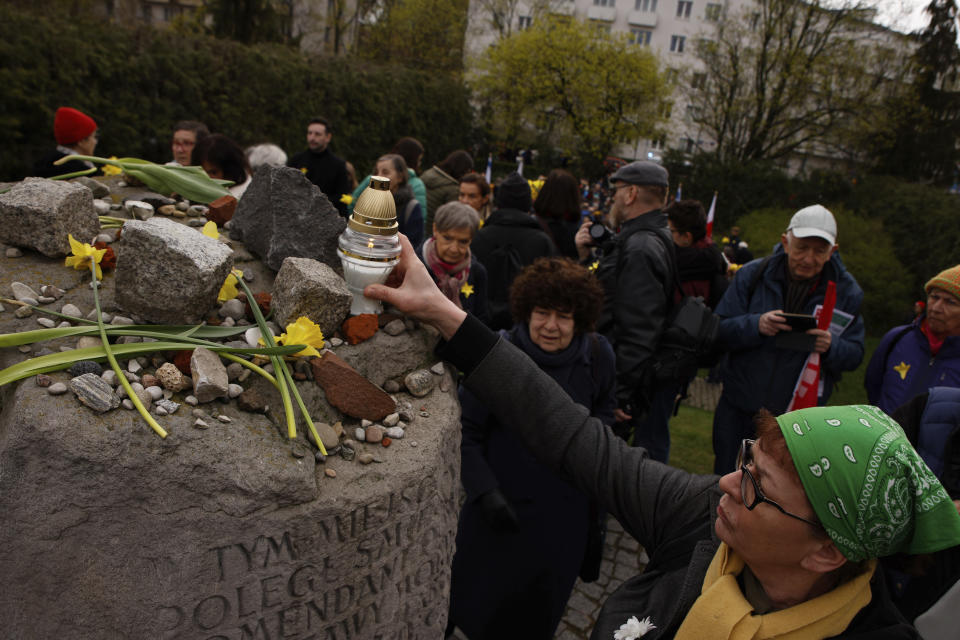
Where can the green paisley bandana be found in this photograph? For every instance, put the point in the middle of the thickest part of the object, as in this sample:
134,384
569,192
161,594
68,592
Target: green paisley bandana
868,486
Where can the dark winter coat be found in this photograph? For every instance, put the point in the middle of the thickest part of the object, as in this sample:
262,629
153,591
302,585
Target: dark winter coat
757,373
906,349
441,189
522,580
327,171
637,274
44,168
669,511
703,272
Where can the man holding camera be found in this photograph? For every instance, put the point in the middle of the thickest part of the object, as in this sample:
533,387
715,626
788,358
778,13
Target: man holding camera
637,269
767,328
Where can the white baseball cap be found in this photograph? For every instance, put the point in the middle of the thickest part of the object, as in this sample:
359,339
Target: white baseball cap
815,220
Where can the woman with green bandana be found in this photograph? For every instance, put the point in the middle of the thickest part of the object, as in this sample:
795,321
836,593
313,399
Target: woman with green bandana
783,547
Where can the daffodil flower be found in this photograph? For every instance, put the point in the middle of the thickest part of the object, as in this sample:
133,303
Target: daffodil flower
210,230
346,199
229,289
303,331
303,170
111,169
594,266
466,289
83,253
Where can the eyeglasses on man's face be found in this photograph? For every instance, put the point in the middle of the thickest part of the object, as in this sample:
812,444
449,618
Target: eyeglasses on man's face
750,493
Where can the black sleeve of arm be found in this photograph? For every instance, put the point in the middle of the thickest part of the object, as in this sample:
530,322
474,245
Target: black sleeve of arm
469,345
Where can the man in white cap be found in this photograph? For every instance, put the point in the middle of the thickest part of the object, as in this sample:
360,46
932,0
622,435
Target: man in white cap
766,349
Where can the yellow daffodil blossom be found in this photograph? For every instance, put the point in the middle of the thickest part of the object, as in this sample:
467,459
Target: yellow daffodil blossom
303,170
83,253
304,331
229,289
594,266
466,289
346,199
535,186
210,230
111,169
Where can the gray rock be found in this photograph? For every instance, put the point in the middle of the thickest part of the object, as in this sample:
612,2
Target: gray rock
306,287
13,252
71,310
168,273
232,309
252,337
394,432
51,291
105,238
191,400
23,312
23,293
97,188
282,214
139,209
360,434
182,205
155,200
234,390
156,393
133,366
92,391
196,210
43,321
228,322
335,342
196,222
374,433
395,327
200,424
110,377
328,436
391,420
57,388
438,368
102,207
391,386
420,382
209,375
120,320
234,369
39,214
127,404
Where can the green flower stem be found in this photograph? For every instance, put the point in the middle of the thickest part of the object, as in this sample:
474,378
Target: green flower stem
75,174
252,367
303,409
113,361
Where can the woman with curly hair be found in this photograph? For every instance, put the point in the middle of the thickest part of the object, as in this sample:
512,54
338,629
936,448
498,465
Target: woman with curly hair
523,532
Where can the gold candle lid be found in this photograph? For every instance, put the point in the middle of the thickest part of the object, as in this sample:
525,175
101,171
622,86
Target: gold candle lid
375,211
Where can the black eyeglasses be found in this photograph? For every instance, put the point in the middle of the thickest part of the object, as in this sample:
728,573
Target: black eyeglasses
750,493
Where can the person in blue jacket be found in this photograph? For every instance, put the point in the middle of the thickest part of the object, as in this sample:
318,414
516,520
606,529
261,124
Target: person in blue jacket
764,356
925,353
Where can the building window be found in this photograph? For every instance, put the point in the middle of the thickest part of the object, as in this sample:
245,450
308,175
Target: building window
676,43
698,80
754,20
645,5
524,22
683,9
640,36
670,75
603,3
666,110
690,145
713,12
658,143
693,112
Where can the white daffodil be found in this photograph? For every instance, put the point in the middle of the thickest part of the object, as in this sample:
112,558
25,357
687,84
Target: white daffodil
633,629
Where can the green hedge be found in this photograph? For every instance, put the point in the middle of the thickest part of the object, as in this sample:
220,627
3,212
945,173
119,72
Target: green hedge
137,82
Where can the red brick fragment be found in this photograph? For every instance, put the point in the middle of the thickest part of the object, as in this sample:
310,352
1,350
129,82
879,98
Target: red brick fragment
386,441
356,329
182,360
349,391
221,210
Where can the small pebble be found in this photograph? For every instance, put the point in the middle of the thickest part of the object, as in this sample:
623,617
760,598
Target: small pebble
160,411
234,369
391,420
406,415
43,380
224,419
234,390
105,238
168,405
437,368
374,433
200,424
319,457
385,442
228,322
133,366
359,434
191,400
156,393
127,404
110,377
395,432
394,327
24,348
51,291
413,443
13,252
196,222
122,320
365,423
335,342
424,414
42,300
183,205
248,275
149,380
23,312
365,458
64,324
71,310
391,386
330,473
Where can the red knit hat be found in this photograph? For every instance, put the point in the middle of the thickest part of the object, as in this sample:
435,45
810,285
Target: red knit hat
70,125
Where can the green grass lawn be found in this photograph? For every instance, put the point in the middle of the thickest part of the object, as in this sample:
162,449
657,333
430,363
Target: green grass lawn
691,446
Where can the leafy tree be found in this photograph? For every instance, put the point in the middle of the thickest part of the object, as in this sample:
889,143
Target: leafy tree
569,83
250,21
779,75
502,16
422,34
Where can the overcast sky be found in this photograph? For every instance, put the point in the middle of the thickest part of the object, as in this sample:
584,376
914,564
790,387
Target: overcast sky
902,15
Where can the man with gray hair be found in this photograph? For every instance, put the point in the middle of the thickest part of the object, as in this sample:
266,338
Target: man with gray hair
637,269
766,336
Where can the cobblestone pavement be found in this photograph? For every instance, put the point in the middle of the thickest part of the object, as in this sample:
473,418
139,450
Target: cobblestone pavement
622,558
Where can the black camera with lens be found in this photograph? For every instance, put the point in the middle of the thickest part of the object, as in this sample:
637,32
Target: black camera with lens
600,234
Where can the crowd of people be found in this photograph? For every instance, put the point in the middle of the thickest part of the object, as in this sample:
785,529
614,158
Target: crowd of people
554,304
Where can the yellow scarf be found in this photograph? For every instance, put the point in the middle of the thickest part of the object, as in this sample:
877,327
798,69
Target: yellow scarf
721,610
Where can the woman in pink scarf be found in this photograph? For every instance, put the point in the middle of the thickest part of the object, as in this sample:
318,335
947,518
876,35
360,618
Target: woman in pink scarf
447,255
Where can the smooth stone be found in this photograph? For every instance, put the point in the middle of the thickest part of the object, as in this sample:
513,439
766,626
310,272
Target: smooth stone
234,369
57,388
200,424
166,210
394,432
133,366
139,209
156,393
85,342
190,400
391,386
46,322
252,336
328,436
110,377
182,205
24,348
228,322
420,382
360,434
335,342
365,458
196,222
160,411
233,308
120,320
64,324
391,420
394,327
234,390
366,423
51,291
127,404
224,419
197,210
105,238
36,302
13,252
145,398
438,368
21,291
374,433
23,312
330,473
71,310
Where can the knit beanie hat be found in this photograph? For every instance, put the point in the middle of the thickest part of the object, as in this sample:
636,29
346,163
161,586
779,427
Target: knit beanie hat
70,125
514,193
948,280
